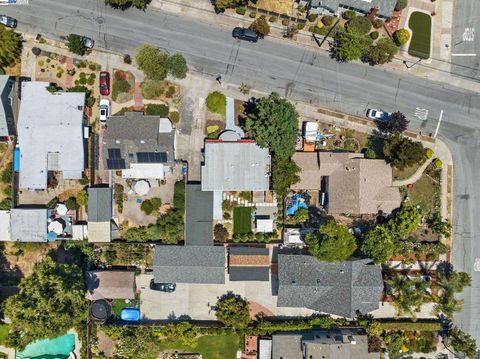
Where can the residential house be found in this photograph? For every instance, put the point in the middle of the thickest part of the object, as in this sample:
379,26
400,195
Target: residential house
28,224
322,344
99,214
50,135
198,216
142,147
189,264
347,289
6,106
5,234
110,284
249,264
349,183
383,8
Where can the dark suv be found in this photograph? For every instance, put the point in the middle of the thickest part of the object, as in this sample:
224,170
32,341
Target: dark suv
245,34
163,287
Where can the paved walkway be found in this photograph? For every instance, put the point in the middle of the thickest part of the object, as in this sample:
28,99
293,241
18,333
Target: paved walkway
137,96
415,177
69,66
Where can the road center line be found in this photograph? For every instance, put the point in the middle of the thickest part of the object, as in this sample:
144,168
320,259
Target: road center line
464,55
438,124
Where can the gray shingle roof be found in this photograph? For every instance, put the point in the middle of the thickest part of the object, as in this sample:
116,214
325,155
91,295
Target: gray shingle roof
133,133
189,264
341,288
249,274
99,204
198,216
385,7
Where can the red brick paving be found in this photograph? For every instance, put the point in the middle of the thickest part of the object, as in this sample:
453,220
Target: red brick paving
137,96
256,309
392,25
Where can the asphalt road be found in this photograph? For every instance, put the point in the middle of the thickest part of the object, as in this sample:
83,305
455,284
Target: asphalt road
465,41
300,74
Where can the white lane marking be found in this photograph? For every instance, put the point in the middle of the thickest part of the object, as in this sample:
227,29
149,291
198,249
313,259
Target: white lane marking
421,113
438,124
469,34
464,54
476,265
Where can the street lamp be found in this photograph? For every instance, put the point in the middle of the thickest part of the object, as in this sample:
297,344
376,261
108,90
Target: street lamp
409,67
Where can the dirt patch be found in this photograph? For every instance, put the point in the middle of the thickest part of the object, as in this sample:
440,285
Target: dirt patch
278,6
67,194
239,113
105,345
257,310
15,70
211,124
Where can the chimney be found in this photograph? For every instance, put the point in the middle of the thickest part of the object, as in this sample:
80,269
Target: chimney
373,13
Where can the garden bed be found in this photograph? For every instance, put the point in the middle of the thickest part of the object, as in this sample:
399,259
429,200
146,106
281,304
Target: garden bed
421,25
123,86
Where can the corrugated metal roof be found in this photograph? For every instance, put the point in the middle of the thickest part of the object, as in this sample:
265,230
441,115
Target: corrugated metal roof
28,224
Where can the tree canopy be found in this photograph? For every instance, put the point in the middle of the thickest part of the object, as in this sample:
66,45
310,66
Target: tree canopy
350,46
401,36
125,4
402,151
152,62
177,66
359,25
397,123
75,44
409,294
232,310
261,26
11,47
285,174
463,342
332,242
50,302
133,342
378,244
382,52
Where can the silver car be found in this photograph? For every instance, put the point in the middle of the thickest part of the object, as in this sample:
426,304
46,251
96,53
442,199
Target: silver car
88,42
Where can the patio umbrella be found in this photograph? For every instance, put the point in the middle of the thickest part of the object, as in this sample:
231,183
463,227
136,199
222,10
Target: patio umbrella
62,209
56,227
142,187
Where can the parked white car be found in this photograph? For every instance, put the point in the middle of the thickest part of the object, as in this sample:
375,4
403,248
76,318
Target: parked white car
377,115
104,110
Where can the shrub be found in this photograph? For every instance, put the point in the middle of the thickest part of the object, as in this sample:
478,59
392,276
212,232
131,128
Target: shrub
374,35
41,63
72,204
241,11
300,26
349,14
312,17
174,116
253,15
152,89
147,207
429,153
370,153
75,44
377,23
359,25
401,37
438,163
156,203
401,4
409,325
71,71
260,26
124,97
285,22
220,233
170,92
212,129
227,216
157,110
301,215
177,66
327,20
152,62
7,174
216,102
272,19
118,87
91,81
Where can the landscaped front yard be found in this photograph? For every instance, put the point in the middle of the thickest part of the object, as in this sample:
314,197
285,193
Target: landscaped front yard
210,346
242,220
421,25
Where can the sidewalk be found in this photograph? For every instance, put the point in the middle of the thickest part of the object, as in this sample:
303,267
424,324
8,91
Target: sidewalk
437,69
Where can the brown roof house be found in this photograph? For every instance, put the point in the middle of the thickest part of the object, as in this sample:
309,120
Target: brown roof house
249,264
110,284
349,182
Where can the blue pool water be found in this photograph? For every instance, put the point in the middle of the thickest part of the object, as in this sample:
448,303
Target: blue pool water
58,348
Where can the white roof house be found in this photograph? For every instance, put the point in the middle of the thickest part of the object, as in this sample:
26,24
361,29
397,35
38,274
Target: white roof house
50,135
28,224
240,165
5,226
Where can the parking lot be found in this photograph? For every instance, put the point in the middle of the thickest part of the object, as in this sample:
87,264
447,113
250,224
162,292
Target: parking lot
195,301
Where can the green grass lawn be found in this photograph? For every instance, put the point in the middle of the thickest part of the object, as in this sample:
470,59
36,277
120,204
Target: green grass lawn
424,193
4,328
242,220
210,346
421,26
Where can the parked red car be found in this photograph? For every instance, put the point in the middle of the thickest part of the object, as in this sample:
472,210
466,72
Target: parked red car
105,83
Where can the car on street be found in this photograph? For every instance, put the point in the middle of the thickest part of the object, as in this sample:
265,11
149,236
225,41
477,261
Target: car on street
245,34
88,42
104,110
163,287
377,115
8,21
104,83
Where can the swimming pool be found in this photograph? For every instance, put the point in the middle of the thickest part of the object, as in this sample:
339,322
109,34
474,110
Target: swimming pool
58,348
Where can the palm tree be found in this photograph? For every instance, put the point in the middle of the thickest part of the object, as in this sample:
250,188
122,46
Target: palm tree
11,47
409,294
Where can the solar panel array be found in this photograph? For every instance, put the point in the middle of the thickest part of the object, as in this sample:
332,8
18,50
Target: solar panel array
151,157
114,153
115,160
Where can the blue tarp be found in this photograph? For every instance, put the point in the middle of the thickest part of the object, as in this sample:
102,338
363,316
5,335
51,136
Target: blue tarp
16,159
297,203
130,314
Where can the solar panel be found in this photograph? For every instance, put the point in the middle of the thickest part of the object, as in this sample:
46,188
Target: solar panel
151,157
116,164
114,153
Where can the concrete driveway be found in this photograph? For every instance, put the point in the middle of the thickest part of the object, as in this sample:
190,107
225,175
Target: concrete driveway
195,300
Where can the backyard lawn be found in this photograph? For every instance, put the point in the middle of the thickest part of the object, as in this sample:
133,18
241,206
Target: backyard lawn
421,24
210,346
242,220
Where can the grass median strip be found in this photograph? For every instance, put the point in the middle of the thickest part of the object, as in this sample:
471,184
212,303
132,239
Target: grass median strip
421,26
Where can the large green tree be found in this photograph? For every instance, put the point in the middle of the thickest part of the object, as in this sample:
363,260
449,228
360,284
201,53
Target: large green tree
382,52
125,4
152,62
232,310
379,244
450,282
402,151
332,242
177,66
409,294
285,174
349,47
405,222
75,44
133,342
50,302
463,342
10,47
273,123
